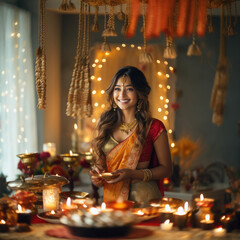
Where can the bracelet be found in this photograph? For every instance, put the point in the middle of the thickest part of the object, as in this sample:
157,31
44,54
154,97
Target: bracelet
147,175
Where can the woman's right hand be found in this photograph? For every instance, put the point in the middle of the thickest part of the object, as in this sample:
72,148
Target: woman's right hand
96,180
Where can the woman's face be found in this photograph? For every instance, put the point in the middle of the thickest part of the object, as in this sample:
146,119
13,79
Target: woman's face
124,94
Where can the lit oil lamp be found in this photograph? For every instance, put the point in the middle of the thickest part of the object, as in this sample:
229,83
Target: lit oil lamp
166,213
207,223
3,226
24,215
180,218
167,225
204,202
219,232
68,205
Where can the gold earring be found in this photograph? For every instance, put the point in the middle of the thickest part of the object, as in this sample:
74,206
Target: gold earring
114,105
139,105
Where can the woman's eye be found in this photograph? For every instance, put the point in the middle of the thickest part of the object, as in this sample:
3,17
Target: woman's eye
130,89
116,89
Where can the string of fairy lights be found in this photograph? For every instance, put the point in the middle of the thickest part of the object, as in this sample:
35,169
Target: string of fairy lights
13,77
163,79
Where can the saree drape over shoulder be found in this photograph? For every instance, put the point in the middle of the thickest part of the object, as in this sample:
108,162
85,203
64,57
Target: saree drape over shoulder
128,154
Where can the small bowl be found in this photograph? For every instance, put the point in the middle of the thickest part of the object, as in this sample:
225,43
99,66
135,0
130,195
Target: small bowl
124,205
103,232
108,176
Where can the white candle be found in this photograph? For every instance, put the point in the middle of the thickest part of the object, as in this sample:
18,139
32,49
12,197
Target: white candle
50,147
166,226
50,199
219,232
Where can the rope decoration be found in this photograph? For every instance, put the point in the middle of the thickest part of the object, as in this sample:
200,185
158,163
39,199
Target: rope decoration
40,64
79,103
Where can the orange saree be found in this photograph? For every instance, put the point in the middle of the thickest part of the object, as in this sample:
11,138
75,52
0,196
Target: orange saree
124,155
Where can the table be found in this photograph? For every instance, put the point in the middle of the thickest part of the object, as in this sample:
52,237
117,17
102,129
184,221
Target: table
38,233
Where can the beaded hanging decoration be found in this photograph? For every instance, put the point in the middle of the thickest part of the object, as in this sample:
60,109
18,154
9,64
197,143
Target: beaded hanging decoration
40,64
79,97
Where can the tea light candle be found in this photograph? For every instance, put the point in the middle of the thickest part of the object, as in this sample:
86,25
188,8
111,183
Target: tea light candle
219,232
207,223
24,216
180,218
68,205
3,226
50,147
166,226
104,208
204,202
166,213
50,199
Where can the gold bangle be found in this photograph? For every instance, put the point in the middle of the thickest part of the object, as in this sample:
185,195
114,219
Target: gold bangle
147,175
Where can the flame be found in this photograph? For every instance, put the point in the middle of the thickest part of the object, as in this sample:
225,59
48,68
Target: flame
207,217
19,208
139,212
167,221
180,211
103,206
69,202
3,222
91,150
94,211
70,152
53,212
201,197
75,126
167,208
186,206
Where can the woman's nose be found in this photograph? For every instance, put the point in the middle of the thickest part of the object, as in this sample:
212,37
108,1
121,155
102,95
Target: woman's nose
123,92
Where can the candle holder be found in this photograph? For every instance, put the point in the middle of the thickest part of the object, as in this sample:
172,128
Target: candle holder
180,218
24,215
207,223
69,160
28,159
3,226
50,199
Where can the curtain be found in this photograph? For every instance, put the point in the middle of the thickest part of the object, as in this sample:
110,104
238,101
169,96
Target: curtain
159,76
18,132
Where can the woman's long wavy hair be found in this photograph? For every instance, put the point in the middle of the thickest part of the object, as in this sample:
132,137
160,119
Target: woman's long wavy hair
110,119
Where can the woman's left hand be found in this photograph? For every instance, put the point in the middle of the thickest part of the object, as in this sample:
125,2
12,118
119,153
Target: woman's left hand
124,173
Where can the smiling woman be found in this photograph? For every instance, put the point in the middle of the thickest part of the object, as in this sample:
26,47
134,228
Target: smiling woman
140,154
17,102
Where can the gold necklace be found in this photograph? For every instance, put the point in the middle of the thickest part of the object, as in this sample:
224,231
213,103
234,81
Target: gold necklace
128,127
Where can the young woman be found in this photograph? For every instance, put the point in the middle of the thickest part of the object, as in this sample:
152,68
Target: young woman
130,143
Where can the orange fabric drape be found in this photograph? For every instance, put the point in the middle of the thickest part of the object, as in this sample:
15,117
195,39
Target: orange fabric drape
124,155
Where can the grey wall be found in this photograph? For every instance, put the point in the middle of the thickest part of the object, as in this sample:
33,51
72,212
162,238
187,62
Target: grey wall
195,77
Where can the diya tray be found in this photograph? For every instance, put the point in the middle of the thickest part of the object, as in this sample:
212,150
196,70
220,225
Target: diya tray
99,232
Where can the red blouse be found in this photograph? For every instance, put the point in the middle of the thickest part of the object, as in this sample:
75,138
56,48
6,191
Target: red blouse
148,151
157,127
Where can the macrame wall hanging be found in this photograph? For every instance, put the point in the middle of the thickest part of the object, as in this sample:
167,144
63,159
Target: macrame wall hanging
40,70
79,103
